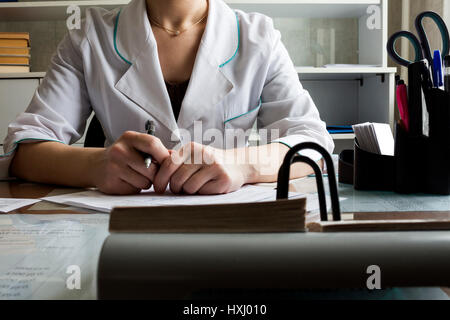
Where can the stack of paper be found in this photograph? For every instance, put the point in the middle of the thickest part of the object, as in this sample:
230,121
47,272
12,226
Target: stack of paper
375,138
98,201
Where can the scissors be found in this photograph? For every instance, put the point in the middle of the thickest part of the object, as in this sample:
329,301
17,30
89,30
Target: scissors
421,45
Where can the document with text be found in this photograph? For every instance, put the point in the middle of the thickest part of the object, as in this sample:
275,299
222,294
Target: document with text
98,201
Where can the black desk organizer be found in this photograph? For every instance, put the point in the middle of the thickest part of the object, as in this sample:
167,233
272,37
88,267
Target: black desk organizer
284,173
421,164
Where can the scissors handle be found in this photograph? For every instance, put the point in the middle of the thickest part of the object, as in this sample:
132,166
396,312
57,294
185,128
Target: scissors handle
425,44
392,51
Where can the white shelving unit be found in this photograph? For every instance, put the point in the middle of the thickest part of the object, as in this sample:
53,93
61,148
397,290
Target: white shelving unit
56,10
344,95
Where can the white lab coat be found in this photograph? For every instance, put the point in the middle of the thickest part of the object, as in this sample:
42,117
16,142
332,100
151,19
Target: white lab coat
242,74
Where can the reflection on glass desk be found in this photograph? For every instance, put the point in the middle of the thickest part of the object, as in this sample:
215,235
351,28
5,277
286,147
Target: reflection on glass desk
39,243
378,201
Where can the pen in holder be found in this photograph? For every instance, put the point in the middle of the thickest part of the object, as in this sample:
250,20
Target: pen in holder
422,164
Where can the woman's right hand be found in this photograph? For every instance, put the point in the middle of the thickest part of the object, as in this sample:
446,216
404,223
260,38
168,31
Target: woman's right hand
120,169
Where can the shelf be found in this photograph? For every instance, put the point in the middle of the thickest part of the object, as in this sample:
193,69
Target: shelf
56,10
304,73
27,75
306,8
50,10
310,73
343,136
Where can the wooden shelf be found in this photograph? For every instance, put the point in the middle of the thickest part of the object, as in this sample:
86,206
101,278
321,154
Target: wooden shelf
56,10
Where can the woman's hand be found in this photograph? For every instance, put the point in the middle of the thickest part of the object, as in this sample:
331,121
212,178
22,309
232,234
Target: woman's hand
200,169
120,169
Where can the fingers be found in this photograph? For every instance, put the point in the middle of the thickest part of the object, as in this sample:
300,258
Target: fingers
134,178
124,188
166,170
118,186
198,180
171,164
136,161
147,144
213,187
180,177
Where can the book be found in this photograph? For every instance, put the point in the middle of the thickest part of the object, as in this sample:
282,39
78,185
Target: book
24,43
273,216
14,60
14,69
15,35
12,51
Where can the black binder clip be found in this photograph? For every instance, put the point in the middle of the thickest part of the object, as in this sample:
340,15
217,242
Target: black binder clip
293,157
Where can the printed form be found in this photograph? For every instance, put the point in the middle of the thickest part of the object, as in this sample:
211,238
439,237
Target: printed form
96,200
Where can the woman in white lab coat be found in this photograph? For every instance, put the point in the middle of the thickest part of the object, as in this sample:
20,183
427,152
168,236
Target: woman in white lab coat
196,68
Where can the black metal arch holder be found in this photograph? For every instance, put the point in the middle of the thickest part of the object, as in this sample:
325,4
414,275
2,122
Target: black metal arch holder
293,157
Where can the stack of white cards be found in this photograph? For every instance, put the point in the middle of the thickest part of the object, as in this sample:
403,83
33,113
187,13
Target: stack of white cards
375,138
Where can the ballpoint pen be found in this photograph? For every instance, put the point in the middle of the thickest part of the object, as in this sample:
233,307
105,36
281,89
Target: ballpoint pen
150,127
437,70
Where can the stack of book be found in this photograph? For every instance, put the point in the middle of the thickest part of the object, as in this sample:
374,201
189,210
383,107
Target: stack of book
14,52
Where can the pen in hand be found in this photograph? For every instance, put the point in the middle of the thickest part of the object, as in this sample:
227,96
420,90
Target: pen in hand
150,127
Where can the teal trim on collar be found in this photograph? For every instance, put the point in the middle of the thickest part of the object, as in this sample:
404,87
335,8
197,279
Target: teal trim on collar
239,40
283,143
115,39
26,139
254,109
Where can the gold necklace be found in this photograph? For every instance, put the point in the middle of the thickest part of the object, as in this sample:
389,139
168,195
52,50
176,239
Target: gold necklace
176,32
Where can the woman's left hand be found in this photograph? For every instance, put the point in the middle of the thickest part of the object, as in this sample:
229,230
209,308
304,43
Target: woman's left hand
199,169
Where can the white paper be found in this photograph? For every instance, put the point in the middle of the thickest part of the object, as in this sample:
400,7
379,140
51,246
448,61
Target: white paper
375,138
96,200
385,138
10,204
36,252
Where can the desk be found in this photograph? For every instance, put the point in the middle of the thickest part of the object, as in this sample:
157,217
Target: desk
38,243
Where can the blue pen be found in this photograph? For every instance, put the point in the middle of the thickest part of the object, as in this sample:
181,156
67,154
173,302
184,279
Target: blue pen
438,78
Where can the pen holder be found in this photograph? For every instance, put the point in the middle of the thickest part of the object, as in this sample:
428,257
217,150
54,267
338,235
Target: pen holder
372,171
366,170
438,105
422,164
409,161
436,178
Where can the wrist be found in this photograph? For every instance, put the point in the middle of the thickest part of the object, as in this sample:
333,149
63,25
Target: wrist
93,166
240,160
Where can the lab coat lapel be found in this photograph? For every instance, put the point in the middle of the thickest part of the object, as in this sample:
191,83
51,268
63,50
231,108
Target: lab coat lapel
209,83
143,82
